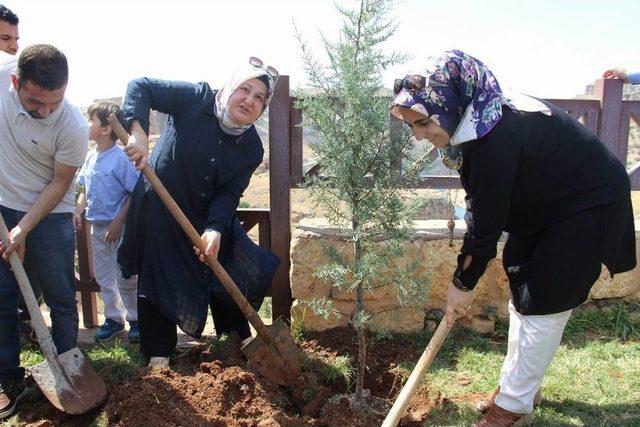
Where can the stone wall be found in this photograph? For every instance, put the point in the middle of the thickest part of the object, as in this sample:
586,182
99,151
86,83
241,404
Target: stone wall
430,243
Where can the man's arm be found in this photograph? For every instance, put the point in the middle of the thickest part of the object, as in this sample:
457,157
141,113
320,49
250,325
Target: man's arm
634,78
48,199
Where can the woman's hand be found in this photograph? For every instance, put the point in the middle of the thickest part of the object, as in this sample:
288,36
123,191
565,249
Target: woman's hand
211,241
138,146
458,303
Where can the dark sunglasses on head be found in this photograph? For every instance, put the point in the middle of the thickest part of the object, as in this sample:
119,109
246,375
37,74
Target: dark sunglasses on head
413,83
257,62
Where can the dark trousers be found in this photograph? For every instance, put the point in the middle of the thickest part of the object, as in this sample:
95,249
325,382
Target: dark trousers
49,262
158,335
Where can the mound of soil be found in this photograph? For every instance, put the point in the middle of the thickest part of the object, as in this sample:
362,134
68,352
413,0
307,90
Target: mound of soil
216,395
215,386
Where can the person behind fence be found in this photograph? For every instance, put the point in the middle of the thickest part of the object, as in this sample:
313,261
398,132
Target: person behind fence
43,141
9,33
530,169
621,73
106,180
205,157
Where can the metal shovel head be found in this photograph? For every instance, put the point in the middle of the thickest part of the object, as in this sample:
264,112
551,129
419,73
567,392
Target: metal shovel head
279,362
70,383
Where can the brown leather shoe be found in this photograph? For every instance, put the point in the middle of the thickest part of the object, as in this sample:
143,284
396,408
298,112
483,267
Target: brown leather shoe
499,417
483,405
11,391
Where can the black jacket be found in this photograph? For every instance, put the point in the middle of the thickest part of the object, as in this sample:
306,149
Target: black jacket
532,171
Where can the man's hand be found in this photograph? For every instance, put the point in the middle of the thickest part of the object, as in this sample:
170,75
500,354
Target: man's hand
114,231
616,73
17,238
458,303
211,241
77,221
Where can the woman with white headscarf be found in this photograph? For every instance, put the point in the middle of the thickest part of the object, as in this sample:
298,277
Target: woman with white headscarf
205,157
529,169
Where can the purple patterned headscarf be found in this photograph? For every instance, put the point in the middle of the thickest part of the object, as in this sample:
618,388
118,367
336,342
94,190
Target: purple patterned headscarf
462,96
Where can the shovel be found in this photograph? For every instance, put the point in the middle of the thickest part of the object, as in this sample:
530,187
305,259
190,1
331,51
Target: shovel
404,398
272,353
67,379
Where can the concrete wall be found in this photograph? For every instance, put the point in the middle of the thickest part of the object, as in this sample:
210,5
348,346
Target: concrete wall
430,243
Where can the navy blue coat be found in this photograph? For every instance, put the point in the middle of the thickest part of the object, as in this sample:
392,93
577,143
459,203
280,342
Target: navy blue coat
206,172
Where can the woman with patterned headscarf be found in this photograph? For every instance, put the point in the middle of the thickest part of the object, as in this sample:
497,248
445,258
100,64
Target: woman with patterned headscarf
529,169
205,158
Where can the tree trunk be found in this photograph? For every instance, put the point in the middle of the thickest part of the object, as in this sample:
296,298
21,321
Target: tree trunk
362,361
359,312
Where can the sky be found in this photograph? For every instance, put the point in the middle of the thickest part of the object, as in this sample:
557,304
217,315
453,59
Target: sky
545,48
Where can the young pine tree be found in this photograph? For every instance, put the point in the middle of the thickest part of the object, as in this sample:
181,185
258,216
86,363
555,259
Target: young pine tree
365,172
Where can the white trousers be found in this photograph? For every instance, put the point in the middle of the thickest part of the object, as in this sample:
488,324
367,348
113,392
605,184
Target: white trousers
118,294
533,342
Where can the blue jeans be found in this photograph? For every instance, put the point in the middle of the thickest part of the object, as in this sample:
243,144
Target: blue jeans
48,261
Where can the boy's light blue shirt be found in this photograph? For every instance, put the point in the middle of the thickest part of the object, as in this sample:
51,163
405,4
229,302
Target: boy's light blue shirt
109,177
634,78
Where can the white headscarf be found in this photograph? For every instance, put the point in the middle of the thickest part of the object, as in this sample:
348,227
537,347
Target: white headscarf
243,74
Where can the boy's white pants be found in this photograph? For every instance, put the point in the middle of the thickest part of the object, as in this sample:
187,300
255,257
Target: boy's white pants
533,342
118,294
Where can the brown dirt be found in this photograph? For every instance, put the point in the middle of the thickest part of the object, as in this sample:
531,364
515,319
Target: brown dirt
216,387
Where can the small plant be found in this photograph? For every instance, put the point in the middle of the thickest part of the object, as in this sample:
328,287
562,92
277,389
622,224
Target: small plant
30,355
297,325
244,204
623,325
340,369
265,309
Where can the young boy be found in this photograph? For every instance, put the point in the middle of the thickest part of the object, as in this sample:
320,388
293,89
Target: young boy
108,178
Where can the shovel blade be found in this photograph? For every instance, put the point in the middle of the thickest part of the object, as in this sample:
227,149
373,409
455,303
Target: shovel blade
280,362
70,383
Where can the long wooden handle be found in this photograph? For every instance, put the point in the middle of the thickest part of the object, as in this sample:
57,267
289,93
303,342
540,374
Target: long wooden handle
404,398
193,235
42,332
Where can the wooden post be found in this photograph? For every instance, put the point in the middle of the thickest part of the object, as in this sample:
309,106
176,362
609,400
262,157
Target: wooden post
279,195
296,145
609,91
88,299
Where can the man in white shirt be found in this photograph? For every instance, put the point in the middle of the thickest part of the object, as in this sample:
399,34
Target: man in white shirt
43,141
9,36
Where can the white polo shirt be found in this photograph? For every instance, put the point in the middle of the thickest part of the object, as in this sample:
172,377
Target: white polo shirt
29,147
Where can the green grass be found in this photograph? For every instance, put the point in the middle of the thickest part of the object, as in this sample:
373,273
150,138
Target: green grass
594,379
114,362
30,355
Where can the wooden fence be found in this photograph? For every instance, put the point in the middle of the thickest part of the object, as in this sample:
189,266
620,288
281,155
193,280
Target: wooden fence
607,114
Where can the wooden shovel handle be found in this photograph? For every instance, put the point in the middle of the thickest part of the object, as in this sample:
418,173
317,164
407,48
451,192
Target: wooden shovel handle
193,235
404,398
42,332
